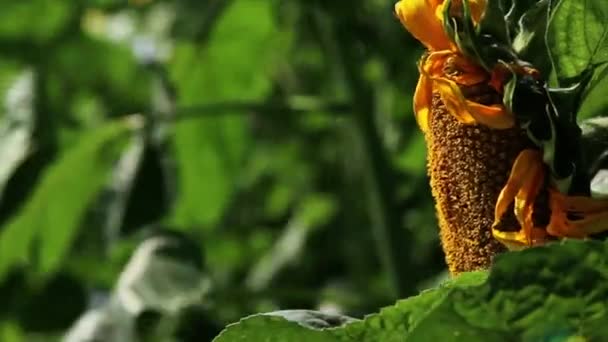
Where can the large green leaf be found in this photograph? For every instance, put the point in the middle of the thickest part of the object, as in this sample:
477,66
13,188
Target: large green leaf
556,292
577,36
391,324
51,218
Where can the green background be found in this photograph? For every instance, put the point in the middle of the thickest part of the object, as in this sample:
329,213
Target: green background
276,136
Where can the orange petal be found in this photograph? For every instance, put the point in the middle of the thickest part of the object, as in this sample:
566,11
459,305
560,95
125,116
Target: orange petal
522,188
523,176
463,72
591,215
453,99
418,17
493,116
470,112
478,8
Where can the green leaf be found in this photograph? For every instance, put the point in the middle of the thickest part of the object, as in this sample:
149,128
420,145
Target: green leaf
577,36
595,102
259,328
35,20
312,212
391,324
555,292
51,218
209,148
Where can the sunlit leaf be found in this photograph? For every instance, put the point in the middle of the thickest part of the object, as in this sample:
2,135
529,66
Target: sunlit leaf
577,36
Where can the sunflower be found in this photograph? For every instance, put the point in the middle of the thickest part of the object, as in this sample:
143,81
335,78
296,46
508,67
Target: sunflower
494,176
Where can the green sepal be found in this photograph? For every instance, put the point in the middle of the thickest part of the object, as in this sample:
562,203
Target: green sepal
529,42
493,23
480,47
529,100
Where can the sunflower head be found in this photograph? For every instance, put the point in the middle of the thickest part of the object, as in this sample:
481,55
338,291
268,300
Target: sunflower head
502,145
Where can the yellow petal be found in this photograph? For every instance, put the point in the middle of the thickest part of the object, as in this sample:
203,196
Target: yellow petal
526,167
522,189
453,99
423,98
493,116
418,17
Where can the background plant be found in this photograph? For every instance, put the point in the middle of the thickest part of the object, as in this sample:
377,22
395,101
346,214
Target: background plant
275,135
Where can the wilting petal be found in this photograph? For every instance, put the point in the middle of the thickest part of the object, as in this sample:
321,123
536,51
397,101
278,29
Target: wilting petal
453,99
576,216
423,98
493,116
462,72
522,189
478,7
470,112
519,240
526,166
418,17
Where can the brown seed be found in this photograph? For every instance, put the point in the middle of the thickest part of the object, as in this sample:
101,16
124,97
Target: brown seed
468,166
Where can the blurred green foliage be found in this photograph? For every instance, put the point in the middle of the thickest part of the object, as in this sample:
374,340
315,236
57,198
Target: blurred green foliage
272,139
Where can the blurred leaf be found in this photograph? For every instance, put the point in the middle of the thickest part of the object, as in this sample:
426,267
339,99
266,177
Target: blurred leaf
577,36
51,218
45,309
313,211
17,126
10,332
103,74
161,284
34,20
164,275
103,324
115,199
209,149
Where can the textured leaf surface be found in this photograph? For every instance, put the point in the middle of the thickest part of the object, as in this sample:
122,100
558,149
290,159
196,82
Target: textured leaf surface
557,292
577,36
